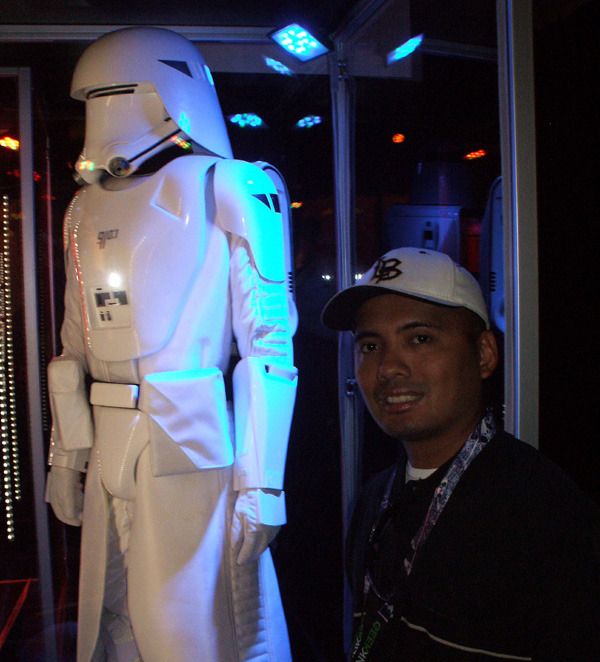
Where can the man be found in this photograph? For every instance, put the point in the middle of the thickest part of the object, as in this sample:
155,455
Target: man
473,546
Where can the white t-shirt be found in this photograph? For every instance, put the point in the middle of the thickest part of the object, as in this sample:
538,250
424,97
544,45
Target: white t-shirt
412,473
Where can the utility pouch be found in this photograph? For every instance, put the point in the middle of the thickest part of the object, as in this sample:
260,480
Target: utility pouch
188,422
71,415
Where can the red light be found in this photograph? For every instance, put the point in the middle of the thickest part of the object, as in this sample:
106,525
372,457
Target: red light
477,154
398,138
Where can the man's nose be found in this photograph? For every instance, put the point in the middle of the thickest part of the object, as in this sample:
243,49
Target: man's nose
393,363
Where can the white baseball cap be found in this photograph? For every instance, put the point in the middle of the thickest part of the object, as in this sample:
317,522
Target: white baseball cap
417,272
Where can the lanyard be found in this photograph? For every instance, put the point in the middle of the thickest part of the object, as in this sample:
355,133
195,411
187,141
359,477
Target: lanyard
473,446
480,436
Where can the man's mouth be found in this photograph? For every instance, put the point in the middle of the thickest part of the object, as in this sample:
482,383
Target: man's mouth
401,399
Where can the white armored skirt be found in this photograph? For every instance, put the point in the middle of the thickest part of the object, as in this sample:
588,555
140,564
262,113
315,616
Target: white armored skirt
188,599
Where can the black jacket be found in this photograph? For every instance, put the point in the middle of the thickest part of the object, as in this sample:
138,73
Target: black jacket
511,568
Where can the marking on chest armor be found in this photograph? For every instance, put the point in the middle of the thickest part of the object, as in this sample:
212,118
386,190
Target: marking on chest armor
110,307
105,235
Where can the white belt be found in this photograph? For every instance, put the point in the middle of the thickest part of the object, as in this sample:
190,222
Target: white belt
114,395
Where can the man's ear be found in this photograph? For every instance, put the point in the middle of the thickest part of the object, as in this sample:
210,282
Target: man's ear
488,353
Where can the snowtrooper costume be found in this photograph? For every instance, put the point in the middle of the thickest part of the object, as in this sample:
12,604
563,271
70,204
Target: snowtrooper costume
168,260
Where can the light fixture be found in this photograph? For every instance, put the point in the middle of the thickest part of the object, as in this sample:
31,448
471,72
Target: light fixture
299,42
9,143
309,122
405,49
476,154
247,120
277,66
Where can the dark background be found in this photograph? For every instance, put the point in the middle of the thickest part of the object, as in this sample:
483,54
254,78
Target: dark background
448,108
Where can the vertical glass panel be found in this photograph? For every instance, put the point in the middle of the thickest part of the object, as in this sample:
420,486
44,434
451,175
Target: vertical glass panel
10,294
427,151
310,582
19,578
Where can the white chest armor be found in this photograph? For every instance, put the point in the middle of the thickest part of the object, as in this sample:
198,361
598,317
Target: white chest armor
137,252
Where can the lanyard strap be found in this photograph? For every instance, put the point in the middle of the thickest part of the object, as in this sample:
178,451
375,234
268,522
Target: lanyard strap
480,436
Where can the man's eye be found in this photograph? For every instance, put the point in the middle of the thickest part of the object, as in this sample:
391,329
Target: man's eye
367,347
421,339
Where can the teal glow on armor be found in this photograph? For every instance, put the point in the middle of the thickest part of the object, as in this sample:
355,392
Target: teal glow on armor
299,42
209,77
184,123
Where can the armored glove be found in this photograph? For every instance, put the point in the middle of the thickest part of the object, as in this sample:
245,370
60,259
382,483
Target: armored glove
257,517
65,494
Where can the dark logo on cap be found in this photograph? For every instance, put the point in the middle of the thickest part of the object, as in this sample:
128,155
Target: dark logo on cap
387,269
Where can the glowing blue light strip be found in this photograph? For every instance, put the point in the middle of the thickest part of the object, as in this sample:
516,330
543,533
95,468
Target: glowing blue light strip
309,121
277,66
299,42
405,49
244,120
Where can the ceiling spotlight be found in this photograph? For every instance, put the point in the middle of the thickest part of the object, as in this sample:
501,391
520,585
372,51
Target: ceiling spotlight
277,66
9,143
308,122
299,42
476,154
405,49
247,120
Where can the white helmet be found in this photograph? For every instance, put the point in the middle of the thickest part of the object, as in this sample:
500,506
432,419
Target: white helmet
142,88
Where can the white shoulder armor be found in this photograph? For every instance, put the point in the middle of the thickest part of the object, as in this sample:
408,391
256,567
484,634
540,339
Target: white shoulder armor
248,205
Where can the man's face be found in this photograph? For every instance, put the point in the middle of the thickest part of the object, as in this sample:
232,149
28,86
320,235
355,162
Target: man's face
419,367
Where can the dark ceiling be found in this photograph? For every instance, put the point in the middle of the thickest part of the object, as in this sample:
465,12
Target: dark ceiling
459,20
322,15
444,104
382,106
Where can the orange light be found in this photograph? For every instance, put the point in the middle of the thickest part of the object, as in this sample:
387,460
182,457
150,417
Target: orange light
9,143
297,205
477,154
398,138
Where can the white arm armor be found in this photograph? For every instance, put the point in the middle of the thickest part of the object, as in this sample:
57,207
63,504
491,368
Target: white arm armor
253,203
264,396
264,321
